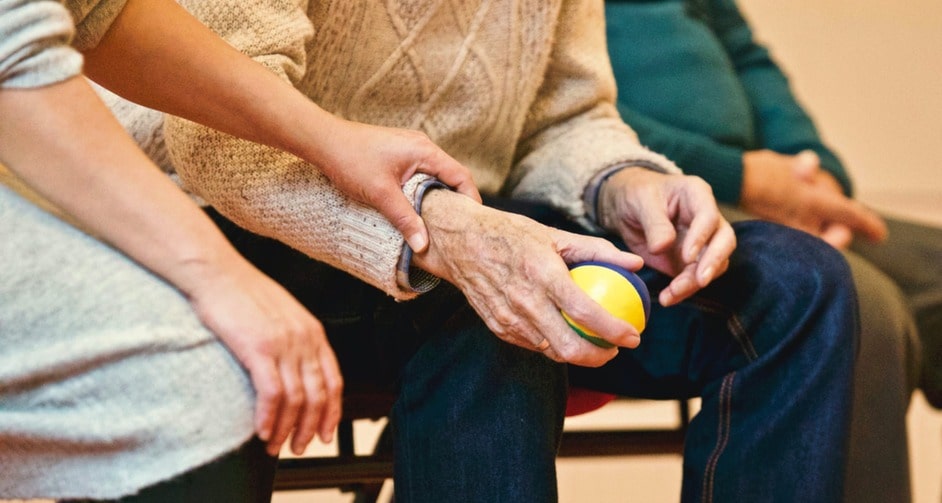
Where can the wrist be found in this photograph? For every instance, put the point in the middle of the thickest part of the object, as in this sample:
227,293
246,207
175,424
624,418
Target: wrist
751,190
205,266
593,192
437,209
316,136
410,273
611,193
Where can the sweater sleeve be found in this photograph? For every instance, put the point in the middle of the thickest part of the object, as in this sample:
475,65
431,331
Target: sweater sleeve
573,131
92,20
697,154
782,124
34,44
271,192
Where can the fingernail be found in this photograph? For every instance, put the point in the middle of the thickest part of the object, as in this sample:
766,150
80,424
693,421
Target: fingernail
681,285
417,242
693,253
665,298
707,275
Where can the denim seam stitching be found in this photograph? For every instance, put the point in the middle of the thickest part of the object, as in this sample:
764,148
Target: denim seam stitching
723,427
733,324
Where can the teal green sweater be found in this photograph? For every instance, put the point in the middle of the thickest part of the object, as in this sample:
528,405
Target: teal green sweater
697,88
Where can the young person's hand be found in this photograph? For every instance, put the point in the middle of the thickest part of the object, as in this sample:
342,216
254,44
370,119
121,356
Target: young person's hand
238,96
106,185
673,222
297,380
371,163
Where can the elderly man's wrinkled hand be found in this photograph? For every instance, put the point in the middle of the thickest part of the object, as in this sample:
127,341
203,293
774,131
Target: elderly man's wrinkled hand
673,222
513,271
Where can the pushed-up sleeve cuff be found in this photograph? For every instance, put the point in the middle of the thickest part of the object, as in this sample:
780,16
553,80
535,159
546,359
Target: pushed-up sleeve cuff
590,196
92,20
408,277
34,44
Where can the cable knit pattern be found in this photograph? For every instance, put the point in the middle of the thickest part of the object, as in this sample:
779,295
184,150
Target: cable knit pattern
520,91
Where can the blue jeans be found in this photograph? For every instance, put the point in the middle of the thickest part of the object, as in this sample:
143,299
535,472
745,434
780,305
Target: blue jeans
769,346
476,419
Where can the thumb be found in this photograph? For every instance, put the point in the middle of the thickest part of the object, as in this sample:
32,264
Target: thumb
659,232
805,164
404,218
837,235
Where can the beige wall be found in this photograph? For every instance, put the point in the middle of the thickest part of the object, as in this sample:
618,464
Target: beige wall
871,74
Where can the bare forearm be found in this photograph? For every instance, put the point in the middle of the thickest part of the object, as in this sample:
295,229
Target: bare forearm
64,144
158,55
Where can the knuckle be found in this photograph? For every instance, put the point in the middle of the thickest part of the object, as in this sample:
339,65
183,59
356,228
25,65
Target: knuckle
579,311
504,316
294,397
317,401
699,183
515,328
334,387
314,327
567,351
271,392
264,344
522,303
420,136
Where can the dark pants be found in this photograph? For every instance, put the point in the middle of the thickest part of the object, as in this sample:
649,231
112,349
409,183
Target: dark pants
912,257
769,347
245,475
476,419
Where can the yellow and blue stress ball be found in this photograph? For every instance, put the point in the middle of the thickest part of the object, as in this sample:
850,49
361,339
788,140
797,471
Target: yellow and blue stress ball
620,291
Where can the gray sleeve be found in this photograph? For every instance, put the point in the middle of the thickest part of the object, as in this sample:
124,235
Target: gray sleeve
34,44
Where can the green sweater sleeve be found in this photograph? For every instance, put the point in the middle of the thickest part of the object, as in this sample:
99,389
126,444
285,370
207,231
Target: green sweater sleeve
782,124
695,153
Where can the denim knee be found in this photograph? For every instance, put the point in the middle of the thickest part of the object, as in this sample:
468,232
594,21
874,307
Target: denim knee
785,401
799,277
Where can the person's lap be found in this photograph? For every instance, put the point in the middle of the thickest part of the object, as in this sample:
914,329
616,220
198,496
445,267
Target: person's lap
912,258
776,336
769,348
109,381
459,384
466,401
884,377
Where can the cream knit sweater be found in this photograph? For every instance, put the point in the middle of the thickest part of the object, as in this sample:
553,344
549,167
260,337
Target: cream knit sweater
520,91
